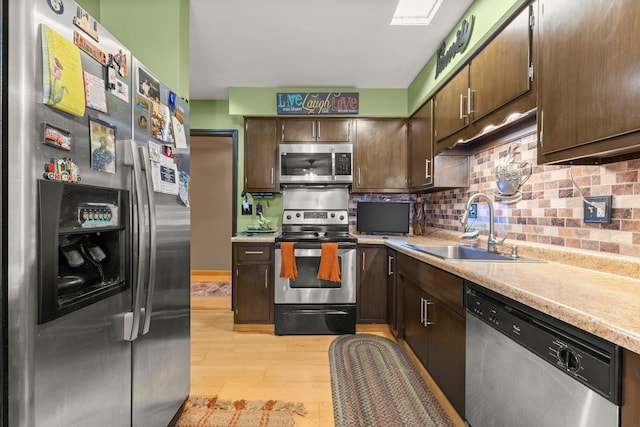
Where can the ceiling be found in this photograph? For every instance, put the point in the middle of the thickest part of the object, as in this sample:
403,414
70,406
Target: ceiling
305,43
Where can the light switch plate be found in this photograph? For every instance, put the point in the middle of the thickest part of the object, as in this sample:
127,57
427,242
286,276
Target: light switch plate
599,211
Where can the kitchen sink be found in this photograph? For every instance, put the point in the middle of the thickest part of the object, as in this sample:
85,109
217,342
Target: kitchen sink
463,253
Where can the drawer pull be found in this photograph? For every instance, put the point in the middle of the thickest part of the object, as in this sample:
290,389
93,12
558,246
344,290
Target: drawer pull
254,252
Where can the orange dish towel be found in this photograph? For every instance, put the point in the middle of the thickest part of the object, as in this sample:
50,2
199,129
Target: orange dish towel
329,266
288,268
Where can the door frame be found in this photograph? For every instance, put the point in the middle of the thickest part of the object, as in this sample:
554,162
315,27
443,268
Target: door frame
233,133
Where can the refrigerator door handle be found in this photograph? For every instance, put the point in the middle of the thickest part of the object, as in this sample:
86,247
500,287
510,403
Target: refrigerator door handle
132,319
151,282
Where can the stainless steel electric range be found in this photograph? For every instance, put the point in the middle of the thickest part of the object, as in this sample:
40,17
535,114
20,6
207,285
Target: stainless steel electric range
309,305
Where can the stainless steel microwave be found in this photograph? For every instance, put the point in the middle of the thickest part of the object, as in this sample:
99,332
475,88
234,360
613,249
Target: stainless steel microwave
316,163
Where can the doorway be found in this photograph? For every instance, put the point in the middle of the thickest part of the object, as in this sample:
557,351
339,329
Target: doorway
212,191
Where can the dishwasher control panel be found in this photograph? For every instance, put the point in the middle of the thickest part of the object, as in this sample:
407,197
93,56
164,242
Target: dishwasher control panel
589,359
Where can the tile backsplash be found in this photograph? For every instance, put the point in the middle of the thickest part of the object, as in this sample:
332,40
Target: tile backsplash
550,209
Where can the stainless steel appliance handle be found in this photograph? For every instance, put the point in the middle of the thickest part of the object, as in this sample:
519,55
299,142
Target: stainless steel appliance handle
132,319
148,309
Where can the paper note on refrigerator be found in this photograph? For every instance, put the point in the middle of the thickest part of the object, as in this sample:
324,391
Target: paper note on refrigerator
163,170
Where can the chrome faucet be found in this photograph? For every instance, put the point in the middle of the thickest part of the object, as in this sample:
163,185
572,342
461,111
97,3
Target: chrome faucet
492,243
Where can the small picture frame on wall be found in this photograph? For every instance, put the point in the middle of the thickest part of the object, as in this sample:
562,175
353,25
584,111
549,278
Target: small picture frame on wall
103,145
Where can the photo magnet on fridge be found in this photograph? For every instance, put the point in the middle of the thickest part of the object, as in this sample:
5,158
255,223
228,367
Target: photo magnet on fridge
103,145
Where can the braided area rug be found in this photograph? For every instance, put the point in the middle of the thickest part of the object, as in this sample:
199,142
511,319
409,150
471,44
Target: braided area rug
375,383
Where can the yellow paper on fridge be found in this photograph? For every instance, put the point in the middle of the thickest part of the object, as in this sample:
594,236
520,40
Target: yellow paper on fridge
63,86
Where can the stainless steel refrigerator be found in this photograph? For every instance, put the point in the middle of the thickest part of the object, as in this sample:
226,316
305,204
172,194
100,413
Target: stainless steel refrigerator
96,231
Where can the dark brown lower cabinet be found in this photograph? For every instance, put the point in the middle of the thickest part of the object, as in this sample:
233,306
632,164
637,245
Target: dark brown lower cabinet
371,292
253,282
433,324
630,412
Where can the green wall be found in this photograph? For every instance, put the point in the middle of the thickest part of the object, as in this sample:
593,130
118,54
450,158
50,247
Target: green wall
251,101
156,32
489,16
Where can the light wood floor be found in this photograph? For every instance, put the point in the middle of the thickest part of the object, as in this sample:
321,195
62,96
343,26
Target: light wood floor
255,365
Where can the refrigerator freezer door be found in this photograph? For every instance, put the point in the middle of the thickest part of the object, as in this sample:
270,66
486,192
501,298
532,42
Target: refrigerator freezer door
83,364
161,353
161,357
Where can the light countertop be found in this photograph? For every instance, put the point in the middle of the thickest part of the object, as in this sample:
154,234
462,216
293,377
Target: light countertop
595,292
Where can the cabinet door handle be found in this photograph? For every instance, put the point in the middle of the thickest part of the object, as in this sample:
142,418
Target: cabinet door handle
272,176
470,93
359,176
254,252
266,278
319,130
363,259
461,106
427,172
389,270
425,309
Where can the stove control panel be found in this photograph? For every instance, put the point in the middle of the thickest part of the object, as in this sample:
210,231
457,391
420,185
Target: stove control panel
317,217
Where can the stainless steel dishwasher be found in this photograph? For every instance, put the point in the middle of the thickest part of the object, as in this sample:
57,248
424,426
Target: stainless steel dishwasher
527,369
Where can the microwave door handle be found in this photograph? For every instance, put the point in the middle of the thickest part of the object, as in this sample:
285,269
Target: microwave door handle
151,282
333,161
132,319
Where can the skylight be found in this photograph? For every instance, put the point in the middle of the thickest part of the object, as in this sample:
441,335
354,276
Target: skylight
415,12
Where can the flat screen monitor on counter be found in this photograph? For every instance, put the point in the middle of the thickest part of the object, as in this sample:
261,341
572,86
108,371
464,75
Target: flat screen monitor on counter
383,217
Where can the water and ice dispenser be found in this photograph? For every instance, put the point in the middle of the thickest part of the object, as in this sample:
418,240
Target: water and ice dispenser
83,246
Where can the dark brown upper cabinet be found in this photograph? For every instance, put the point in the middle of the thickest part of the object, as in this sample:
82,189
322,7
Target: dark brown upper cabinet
261,154
420,147
316,130
496,84
380,154
589,80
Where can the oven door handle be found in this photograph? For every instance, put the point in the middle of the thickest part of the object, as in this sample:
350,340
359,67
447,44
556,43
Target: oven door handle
318,245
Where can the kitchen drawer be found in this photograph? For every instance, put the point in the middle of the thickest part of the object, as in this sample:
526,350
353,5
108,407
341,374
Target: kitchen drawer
254,252
444,286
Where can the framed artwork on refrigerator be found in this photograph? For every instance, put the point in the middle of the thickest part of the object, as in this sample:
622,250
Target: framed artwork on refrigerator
103,145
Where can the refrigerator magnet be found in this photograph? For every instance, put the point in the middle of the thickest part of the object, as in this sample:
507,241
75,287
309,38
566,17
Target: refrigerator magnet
103,145
86,23
56,137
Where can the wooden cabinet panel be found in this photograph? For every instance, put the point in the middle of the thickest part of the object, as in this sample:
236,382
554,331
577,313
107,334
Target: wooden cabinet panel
394,296
252,283
587,93
500,72
380,155
447,352
316,130
371,292
630,411
434,331
450,108
421,148
261,155
415,333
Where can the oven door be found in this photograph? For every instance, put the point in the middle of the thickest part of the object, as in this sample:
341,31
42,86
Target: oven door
307,288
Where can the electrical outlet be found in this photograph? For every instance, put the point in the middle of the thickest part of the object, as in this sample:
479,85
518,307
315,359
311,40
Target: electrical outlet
247,209
598,211
473,211
258,208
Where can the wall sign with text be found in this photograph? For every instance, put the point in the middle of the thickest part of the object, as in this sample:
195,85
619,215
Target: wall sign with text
318,103
445,55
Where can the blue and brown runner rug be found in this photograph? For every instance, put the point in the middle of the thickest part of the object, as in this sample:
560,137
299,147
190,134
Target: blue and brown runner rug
375,383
